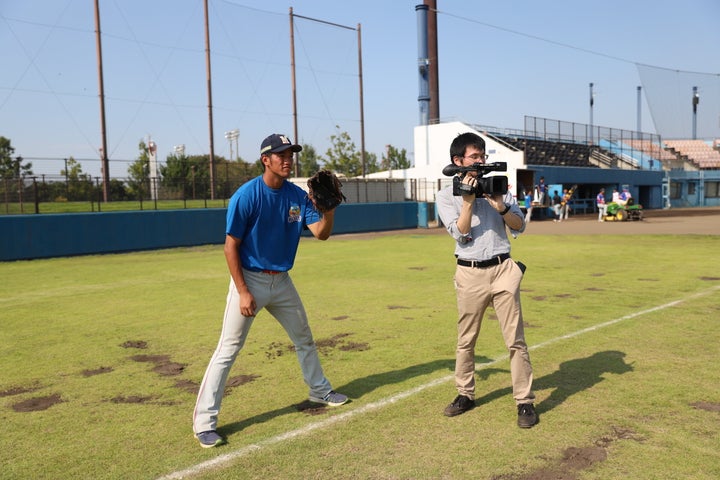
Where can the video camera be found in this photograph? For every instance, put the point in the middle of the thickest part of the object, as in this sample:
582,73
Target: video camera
495,185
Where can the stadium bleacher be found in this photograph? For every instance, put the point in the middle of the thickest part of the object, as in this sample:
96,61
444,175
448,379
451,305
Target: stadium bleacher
698,152
546,152
651,148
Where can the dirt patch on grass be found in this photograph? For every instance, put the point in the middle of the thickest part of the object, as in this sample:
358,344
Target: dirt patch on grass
707,406
188,386
37,404
96,371
163,365
574,460
135,344
131,399
324,346
18,390
277,349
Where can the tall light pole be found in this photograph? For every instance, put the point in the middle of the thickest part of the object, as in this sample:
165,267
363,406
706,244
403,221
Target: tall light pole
152,154
232,136
695,101
592,101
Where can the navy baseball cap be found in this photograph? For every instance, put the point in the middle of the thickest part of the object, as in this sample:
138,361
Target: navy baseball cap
276,143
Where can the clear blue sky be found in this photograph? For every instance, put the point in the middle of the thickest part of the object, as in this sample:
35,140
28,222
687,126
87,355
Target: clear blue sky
499,61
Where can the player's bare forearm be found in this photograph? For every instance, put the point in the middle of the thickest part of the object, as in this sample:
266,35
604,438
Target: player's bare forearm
323,228
232,257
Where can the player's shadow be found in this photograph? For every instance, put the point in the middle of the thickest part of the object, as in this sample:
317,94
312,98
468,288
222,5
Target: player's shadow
573,376
355,389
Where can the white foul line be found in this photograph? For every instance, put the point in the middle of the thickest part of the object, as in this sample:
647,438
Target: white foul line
229,457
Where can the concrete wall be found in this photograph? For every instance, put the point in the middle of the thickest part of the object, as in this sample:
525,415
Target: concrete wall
42,236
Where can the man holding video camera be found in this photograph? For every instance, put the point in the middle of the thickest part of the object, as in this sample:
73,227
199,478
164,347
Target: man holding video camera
475,211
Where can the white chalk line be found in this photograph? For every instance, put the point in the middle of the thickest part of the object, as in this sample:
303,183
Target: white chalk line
229,457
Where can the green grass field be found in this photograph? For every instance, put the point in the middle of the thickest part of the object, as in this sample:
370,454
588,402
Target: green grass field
101,356
14,208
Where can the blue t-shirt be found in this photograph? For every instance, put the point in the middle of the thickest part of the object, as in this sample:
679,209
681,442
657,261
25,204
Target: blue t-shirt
269,223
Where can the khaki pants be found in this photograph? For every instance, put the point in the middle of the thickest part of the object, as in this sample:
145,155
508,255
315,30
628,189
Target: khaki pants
476,289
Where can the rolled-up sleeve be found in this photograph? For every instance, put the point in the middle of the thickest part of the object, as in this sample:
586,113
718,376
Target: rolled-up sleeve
448,208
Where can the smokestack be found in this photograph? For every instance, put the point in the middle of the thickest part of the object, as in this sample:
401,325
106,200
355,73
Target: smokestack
434,80
423,64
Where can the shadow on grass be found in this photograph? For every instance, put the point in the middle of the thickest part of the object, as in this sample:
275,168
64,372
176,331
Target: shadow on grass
572,377
355,389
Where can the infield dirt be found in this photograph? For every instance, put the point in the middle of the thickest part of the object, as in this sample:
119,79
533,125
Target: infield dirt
693,221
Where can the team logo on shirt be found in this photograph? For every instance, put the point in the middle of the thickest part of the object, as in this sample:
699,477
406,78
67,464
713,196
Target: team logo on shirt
294,214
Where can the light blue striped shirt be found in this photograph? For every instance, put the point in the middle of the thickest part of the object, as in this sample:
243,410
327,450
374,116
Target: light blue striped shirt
488,233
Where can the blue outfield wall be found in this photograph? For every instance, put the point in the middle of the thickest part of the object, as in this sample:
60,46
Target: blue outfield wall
24,237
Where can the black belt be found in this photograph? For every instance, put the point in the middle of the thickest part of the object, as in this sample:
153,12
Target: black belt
497,260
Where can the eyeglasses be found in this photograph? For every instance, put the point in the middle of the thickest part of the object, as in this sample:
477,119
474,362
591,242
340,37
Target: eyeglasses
476,157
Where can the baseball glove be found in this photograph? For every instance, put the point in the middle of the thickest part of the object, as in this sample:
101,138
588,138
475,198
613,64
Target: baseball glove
324,190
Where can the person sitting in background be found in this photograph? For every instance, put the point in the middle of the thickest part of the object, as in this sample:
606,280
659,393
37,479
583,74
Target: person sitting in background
625,197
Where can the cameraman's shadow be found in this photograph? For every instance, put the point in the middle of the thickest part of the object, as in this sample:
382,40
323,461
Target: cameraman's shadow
571,377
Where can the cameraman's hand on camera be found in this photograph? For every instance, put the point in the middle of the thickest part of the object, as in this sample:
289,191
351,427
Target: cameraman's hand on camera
496,201
471,182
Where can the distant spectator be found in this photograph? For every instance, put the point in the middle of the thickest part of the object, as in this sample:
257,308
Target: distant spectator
557,205
528,204
601,205
565,204
542,191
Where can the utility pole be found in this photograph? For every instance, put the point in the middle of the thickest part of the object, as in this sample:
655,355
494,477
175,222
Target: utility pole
209,95
101,83
294,90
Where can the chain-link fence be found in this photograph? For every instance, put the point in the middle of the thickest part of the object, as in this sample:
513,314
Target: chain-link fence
56,194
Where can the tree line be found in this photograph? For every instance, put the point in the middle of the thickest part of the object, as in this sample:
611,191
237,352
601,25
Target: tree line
188,176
